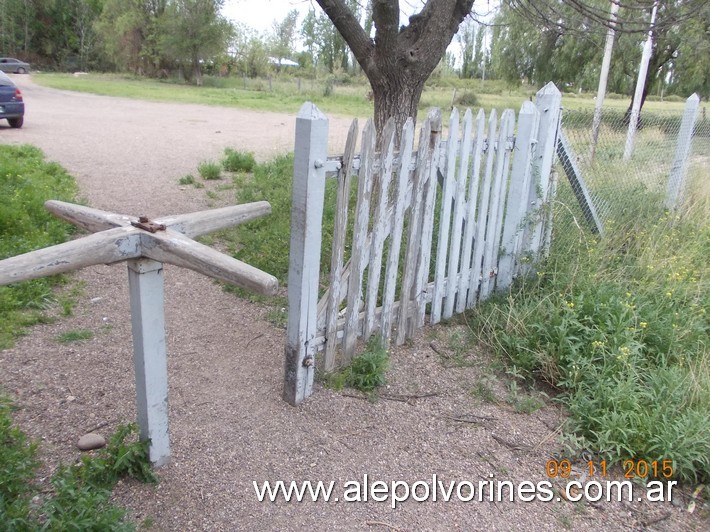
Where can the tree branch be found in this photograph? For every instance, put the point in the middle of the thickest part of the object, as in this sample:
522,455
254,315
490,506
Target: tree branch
349,27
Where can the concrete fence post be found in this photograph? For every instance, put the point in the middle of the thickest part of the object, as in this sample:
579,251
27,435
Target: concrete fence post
310,155
679,170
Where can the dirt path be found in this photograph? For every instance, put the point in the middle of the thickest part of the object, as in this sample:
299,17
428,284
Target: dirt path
228,424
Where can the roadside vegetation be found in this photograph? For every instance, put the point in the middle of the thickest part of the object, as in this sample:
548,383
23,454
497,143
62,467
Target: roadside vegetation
79,497
347,97
27,180
619,327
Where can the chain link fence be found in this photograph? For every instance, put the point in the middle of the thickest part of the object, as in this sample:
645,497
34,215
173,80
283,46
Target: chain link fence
613,180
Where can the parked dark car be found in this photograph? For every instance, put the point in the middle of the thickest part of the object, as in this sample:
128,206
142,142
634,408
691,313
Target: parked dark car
13,66
11,105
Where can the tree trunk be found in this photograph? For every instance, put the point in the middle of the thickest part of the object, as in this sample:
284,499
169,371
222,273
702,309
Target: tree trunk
400,58
397,96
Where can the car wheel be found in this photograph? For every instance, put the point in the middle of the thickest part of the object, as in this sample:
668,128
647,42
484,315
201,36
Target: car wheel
21,70
16,122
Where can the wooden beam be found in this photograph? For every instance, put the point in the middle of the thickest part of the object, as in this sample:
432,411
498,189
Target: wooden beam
107,247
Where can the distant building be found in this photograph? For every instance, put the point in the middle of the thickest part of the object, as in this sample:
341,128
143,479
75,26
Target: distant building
282,62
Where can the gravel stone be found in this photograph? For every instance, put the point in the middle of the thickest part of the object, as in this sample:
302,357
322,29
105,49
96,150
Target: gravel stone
91,441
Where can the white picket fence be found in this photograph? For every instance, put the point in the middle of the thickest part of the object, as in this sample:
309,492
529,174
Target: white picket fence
437,229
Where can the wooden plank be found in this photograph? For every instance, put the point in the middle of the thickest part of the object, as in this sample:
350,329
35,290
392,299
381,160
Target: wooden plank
380,228
197,224
422,278
311,151
495,211
414,236
392,268
463,300
445,217
175,248
339,234
107,247
548,102
359,250
520,178
483,203
458,217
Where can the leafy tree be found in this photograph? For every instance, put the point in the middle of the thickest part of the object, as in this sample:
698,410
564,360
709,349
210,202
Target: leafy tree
284,36
193,31
398,61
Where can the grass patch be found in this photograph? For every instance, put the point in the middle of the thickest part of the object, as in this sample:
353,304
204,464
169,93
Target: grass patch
209,170
26,182
619,327
80,494
75,336
187,180
286,94
237,161
366,372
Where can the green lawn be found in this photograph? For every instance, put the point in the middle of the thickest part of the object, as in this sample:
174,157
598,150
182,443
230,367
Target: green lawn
286,94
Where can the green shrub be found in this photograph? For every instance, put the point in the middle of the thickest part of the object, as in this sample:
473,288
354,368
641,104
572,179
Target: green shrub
467,99
237,161
80,495
187,180
26,182
619,326
366,372
209,170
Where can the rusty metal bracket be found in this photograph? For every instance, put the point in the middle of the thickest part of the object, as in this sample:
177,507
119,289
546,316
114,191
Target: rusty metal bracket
145,224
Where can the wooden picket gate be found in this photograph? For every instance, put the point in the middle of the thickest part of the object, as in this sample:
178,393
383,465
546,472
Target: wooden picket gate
437,229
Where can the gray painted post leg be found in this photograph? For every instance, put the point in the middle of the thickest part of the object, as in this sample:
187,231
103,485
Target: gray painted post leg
309,158
145,284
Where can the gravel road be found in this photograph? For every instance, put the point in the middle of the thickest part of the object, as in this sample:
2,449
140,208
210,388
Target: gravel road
228,425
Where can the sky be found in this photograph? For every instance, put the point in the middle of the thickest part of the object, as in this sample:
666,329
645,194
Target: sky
261,14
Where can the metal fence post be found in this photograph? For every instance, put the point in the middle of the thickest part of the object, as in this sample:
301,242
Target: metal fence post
145,283
310,154
679,170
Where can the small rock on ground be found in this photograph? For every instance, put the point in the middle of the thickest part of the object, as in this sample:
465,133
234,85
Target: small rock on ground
91,441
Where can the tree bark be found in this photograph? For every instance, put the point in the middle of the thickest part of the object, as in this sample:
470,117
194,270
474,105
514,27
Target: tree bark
400,58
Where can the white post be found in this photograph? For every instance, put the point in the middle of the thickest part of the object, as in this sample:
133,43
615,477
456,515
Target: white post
310,154
549,103
640,82
679,170
603,77
145,284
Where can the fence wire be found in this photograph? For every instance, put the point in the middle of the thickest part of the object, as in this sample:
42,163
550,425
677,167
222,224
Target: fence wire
613,181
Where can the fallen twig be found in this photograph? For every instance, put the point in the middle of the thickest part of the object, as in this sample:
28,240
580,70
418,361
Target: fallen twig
468,418
407,398
381,523
655,520
509,445
97,427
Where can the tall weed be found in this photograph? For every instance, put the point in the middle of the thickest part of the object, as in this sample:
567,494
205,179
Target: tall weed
619,325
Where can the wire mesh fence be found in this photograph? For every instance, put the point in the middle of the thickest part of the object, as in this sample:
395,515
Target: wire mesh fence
613,176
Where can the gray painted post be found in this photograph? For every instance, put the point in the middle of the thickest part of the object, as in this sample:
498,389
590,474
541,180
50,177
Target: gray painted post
145,284
310,154
548,101
679,170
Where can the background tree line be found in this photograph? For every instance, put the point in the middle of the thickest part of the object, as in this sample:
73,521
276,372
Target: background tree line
162,38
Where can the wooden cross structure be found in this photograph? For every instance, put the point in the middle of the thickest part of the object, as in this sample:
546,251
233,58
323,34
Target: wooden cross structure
145,244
